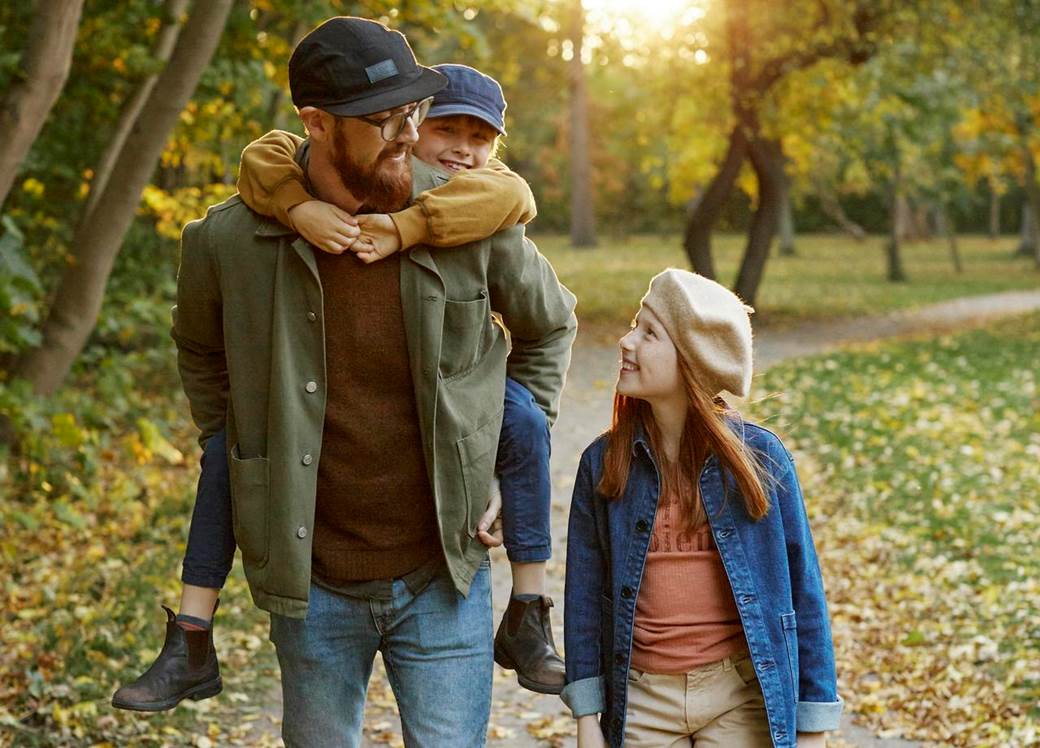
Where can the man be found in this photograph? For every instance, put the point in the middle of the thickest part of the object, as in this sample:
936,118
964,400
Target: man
362,450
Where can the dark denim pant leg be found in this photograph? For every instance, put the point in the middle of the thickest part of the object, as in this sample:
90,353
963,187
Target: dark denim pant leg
523,477
211,538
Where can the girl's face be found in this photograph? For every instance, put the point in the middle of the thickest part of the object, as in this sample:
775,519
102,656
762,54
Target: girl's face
455,142
649,361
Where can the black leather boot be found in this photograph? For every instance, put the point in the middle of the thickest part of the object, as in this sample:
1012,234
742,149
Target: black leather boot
186,668
524,643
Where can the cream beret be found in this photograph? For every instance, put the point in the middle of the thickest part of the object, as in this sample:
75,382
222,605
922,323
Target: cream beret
709,325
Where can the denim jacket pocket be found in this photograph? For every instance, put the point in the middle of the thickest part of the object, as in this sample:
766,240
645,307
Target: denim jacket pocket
789,623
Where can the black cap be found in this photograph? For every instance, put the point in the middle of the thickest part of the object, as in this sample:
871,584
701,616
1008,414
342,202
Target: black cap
353,66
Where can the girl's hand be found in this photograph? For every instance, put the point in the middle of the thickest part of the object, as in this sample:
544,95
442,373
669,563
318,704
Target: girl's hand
812,740
378,239
589,734
489,528
325,226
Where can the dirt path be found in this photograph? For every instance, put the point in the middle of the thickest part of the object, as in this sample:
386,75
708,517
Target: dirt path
522,719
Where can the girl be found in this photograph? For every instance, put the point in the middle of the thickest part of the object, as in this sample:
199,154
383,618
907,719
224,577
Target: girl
695,612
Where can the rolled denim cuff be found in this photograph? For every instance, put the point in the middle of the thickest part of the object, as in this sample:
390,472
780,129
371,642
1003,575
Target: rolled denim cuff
819,716
586,696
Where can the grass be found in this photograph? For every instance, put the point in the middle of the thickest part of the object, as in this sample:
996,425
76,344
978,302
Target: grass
921,467
830,276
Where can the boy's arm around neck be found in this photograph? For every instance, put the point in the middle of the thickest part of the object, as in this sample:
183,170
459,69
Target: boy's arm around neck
472,205
269,179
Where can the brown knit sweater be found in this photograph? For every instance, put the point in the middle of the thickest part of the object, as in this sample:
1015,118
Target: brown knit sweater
375,515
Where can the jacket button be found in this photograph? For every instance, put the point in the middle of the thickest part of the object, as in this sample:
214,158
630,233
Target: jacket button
311,386
301,533
311,316
619,659
626,592
306,459
642,525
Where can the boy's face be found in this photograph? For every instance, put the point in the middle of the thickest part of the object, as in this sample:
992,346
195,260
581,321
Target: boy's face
456,142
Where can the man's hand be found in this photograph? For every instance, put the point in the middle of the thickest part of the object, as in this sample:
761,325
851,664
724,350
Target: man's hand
812,740
489,529
378,238
589,734
325,226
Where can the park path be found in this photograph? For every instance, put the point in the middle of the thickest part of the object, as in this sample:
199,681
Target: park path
521,719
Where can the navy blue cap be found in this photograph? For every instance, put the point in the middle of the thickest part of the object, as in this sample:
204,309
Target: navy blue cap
470,92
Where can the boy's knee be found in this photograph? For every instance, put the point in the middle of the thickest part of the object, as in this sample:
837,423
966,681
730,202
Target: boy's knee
524,420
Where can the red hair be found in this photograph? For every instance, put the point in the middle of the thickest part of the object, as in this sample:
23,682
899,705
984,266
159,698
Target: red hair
706,432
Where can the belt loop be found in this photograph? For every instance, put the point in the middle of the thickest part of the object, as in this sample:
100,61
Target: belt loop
727,664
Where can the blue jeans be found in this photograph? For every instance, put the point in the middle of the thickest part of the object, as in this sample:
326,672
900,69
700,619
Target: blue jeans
211,537
523,477
436,645
523,473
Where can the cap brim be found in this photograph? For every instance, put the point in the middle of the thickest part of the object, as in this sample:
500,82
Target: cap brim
426,84
449,110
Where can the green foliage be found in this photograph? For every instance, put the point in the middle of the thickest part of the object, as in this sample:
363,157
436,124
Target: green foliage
920,466
19,293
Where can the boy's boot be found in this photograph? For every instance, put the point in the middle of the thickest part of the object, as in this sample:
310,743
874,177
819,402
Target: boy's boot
524,643
186,668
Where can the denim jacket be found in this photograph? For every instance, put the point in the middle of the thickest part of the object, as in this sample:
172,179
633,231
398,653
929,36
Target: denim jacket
772,569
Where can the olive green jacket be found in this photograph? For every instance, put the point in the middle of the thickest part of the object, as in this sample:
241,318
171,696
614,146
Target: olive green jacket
249,328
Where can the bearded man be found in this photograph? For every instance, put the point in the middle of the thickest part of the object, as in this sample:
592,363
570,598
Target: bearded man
362,407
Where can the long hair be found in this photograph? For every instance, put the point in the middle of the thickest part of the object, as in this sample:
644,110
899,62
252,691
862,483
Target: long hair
705,433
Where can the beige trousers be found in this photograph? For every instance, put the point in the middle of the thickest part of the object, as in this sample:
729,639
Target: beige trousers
718,705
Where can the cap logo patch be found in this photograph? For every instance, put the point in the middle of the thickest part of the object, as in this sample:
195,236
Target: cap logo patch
381,71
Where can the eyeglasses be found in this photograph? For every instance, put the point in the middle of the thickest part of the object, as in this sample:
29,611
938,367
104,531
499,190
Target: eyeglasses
391,127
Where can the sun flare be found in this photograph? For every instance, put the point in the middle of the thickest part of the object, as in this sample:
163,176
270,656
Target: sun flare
644,13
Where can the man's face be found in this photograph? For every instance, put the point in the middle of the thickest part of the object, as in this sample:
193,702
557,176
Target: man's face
456,142
376,172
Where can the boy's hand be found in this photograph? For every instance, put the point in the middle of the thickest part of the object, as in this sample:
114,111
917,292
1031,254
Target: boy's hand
489,528
325,226
378,238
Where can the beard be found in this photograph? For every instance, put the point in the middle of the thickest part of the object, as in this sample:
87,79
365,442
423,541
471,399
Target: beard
384,186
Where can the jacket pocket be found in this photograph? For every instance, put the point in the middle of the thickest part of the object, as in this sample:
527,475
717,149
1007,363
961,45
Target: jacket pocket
790,626
477,452
467,334
250,488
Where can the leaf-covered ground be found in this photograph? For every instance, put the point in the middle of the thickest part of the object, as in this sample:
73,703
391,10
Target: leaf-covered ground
921,466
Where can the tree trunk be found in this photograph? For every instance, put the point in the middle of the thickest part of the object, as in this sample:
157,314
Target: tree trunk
787,248
994,213
275,111
767,159
896,274
583,220
1033,196
705,212
42,73
78,300
1025,242
164,43
831,207
945,227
